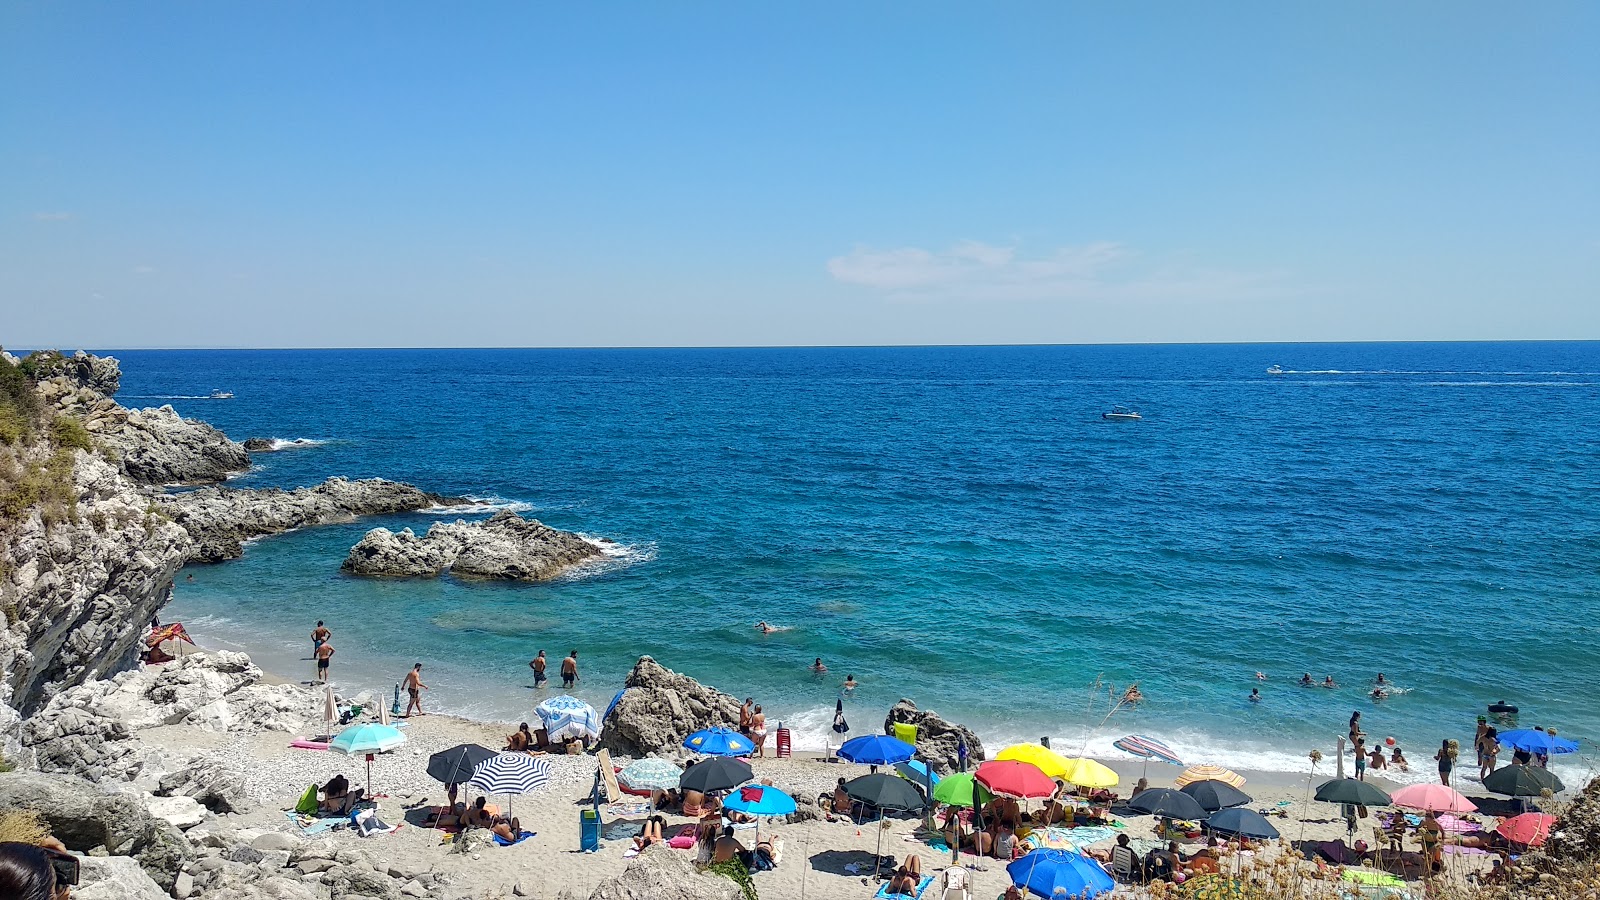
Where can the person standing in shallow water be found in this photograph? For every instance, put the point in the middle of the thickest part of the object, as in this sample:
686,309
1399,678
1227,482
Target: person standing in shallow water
569,670
324,654
319,636
537,664
414,689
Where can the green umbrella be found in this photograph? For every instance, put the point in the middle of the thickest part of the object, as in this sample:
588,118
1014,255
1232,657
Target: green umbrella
956,790
1351,792
1523,781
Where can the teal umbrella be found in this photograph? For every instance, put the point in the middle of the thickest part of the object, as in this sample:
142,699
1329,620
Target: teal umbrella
367,739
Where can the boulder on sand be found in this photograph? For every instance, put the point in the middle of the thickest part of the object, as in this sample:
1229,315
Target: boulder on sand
937,737
84,817
659,708
660,874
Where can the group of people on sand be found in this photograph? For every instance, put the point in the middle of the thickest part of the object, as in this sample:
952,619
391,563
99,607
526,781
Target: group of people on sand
1002,817
753,725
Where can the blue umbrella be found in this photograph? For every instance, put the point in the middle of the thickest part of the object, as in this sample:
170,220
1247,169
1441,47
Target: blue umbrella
719,741
759,800
1060,873
1537,741
1244,822
916,772
877,750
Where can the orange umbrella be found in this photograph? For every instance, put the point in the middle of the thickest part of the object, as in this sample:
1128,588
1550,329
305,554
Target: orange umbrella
1209,773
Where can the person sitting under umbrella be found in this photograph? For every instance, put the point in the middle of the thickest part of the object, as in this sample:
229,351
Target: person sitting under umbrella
841,799
907,878
728,848
478,815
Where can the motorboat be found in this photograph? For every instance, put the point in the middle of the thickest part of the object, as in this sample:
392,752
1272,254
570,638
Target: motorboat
1121,414
1274,370
220,395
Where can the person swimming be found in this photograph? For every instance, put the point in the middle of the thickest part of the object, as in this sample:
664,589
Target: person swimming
1380,679
1305,680
1378,693
1261,676
1328,682
765,628
818,667
1133,694
850,683
1255,695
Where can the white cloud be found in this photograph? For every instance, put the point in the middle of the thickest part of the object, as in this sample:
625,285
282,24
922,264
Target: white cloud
144,270
972,270
51,216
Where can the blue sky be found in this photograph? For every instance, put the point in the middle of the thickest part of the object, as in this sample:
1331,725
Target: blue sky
384,174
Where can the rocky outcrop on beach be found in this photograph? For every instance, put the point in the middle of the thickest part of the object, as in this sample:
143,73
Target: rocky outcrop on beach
659,708
88,818
219,520
660,874
937,737
505,546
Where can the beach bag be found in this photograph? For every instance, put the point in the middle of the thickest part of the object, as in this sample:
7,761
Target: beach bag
307,805
367,823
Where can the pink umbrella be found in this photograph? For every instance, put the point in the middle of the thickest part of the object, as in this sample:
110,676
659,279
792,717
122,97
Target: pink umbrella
1528,829
1436,797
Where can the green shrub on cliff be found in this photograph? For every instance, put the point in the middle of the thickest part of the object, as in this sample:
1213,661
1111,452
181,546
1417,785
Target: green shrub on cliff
69,434
19,405
29,480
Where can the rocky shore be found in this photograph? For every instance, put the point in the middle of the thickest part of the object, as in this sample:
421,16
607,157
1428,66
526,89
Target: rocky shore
505,546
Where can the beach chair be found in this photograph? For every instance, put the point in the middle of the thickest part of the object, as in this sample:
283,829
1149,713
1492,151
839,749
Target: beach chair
1125,865
954,884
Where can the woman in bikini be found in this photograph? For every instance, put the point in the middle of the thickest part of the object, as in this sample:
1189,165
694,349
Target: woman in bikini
907,877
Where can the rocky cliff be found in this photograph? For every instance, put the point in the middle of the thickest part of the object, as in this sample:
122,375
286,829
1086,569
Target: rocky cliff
506,546
659,708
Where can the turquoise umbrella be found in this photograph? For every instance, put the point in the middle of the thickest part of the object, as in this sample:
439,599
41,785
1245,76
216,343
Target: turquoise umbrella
368,739
759,800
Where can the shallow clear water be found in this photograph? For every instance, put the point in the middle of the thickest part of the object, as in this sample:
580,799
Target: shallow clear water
959,526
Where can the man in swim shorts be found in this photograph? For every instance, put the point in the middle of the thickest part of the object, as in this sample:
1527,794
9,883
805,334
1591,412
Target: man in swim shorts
414,689
323,654
319,636
537,664
569,670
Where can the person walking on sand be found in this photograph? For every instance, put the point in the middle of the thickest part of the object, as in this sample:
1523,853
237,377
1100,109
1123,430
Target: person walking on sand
569,670
319,636
758,731
414,689
323,654
537,664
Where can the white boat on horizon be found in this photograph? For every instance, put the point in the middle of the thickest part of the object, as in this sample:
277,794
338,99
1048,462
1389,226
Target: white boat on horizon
1274,370
220,395
1122,414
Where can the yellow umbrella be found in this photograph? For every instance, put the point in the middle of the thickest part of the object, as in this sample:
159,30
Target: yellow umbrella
1051,763
1090,774
1209,773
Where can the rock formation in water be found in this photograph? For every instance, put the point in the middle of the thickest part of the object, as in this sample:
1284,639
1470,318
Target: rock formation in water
220,520
659,708
937,738
506,546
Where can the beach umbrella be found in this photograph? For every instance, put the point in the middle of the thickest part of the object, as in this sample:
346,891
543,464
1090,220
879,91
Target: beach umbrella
1169,803
917,772
1435,797
886,792
719,741
1528,829
650,774
1209,773
1523,781
367,739
717,774
1215,795
330,710
1534,741
1018,780
1146,748
957,789
565,717
759,800
1046,760
1242,822
1052,873
457,764
876,750
1351,792
509,774
1090,774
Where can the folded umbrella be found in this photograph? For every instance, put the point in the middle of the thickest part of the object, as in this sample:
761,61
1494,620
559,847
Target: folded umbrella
1243,822
456,765
719,773
1215,795
1169,803
876,750
719,741
1052,873
1018,780
1352,792
1523,781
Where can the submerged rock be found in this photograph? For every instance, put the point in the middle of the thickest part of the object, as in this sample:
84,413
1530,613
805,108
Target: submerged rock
659,708
937,738
506,546
220,520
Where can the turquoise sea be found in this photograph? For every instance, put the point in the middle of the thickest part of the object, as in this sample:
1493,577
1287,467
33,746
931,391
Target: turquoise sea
959,526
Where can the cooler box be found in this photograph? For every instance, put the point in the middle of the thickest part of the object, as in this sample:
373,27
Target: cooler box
588,830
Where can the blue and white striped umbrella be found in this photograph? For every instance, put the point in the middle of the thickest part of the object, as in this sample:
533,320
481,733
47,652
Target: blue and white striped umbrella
565,716
510,773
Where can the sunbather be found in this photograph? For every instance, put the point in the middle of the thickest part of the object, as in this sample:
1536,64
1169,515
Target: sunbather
478,815
334,794
509,830
652,833
519,740
907,878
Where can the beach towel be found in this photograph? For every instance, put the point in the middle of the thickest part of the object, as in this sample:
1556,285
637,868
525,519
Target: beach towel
683,838
308,801
502,842
311,825
883,890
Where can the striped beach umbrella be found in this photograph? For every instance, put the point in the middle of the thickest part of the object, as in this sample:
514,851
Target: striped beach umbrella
1209,773
1147,748
511,773
650,775
565,716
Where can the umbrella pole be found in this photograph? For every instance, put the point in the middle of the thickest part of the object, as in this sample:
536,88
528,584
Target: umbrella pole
877,859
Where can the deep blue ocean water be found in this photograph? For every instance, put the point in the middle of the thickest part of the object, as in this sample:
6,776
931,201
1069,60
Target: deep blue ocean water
959,526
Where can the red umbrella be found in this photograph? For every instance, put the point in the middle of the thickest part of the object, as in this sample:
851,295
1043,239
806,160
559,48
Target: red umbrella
1528,829
1015,779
